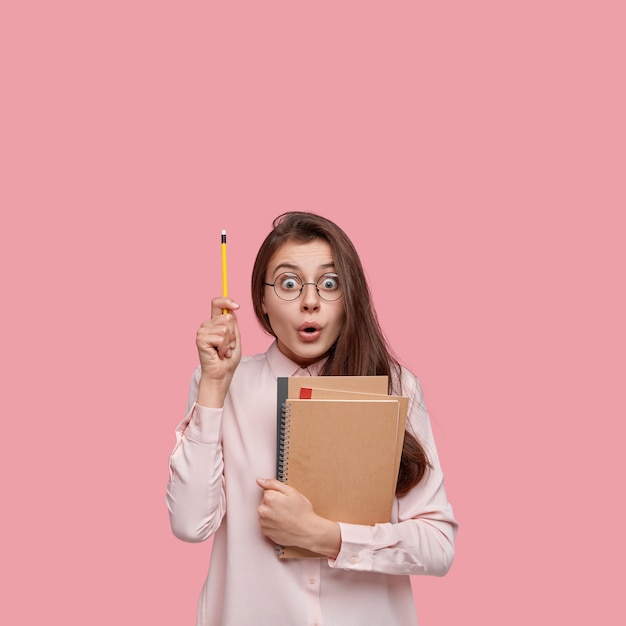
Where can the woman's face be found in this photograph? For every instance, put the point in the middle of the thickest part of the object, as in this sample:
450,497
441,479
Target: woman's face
308,326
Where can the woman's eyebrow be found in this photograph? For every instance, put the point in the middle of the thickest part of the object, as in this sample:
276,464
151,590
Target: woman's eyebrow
296,268
286,266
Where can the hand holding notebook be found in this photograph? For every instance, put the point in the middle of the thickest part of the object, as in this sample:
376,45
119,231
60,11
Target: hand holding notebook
341,453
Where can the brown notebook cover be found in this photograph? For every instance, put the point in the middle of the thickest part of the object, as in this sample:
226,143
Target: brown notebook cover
313,392
341,454
291,386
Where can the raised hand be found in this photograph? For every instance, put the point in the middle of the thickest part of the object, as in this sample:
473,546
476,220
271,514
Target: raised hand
219,349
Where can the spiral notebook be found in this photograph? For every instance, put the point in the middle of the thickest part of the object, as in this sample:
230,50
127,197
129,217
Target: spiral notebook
342,454
291,387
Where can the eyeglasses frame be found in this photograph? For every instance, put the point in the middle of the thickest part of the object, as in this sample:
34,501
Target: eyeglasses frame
302,286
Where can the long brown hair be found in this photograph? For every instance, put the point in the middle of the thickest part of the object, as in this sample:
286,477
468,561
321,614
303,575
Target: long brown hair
361,348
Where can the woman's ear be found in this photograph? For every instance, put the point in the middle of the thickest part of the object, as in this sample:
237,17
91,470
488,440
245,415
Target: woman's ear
263,308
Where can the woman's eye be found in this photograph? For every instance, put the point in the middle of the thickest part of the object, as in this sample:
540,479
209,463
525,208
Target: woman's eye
289,283
329,283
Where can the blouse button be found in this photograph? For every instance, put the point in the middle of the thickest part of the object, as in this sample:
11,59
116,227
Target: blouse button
354,560
311,581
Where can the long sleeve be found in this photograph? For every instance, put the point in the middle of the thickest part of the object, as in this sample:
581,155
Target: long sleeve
420,540
195,494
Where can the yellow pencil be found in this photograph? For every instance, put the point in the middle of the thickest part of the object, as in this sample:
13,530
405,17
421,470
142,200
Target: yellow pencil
224,272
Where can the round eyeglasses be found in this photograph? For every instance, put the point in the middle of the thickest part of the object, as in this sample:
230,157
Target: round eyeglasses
288,286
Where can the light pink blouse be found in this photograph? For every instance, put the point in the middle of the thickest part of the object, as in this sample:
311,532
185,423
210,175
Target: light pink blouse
212,489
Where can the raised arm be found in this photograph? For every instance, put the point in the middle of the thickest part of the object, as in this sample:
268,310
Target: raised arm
195,492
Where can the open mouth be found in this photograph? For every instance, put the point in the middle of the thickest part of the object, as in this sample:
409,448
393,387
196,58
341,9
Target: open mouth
309,331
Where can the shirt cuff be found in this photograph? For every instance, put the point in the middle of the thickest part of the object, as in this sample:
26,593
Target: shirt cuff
202,424
356,551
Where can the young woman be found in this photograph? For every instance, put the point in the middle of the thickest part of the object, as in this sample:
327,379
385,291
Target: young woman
309,292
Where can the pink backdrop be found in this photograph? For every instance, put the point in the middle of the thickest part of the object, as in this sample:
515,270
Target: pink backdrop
475,152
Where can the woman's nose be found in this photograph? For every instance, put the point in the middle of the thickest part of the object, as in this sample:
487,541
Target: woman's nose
310,298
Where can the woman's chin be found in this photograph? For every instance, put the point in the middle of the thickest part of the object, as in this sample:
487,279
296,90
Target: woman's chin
304,354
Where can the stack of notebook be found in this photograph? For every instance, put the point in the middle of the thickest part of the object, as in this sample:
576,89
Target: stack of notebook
339,443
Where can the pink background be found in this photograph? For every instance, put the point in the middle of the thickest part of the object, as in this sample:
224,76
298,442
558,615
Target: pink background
474,151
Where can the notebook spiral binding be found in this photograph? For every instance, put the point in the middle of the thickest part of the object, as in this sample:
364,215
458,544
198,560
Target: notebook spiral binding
283,444
282,469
